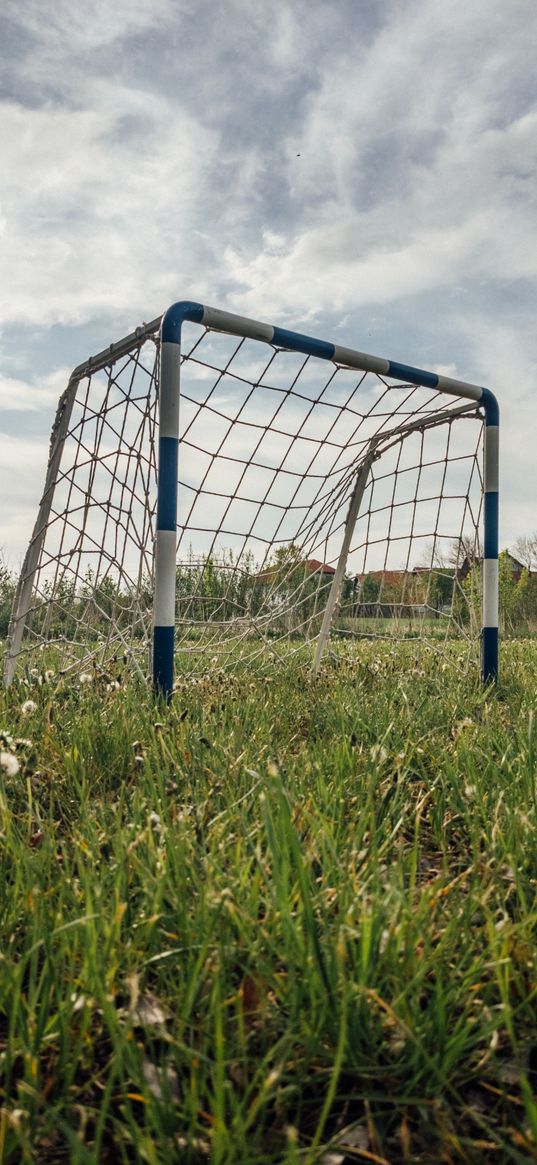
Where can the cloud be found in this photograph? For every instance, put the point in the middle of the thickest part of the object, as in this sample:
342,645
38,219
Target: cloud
69,29
408,171
366,171
81,238
406,184
22,474
20,396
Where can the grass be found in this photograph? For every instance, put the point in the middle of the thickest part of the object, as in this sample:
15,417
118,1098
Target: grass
278,918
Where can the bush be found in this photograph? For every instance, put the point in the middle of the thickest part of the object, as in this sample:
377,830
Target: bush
7,591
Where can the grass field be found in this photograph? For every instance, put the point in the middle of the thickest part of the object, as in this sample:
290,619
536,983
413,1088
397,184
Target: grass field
282,921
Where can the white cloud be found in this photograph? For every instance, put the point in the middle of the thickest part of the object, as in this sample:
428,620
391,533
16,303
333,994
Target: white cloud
405,184
21,396
329,165
22,475
88,227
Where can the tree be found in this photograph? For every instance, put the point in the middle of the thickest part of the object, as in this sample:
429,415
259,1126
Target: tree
525,550
464,551
7,592
518,599
370,589
506,592
440,592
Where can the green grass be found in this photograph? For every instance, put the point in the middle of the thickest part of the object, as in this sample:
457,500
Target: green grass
277,909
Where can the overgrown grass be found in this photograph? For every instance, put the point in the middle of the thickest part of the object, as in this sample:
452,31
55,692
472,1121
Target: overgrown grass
278,910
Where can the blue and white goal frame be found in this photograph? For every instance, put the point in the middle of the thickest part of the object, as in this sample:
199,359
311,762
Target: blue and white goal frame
166,532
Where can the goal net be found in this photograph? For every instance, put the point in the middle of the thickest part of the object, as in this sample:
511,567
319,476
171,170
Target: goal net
220,491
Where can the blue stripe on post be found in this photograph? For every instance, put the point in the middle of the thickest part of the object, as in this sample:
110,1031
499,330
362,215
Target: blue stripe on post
163,637
414,375
175,317
491,406
300,343
167,483
163,660
490,523
489,654
489,643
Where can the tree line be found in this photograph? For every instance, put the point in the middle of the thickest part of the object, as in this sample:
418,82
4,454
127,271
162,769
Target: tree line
289,594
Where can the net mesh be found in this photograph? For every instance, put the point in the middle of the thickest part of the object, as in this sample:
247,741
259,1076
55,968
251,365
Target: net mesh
272,446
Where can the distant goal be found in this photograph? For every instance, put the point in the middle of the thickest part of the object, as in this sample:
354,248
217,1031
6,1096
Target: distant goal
223,491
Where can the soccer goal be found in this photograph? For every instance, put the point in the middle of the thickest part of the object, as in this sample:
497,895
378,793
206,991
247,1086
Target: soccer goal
222,491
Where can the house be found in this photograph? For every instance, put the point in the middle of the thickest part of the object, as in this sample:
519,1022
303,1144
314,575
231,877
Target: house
312,565
517,568
308,565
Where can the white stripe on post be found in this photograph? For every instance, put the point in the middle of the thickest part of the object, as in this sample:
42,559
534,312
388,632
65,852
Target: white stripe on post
491,459
360,360
170,365
164,600
490,592
223,321
459,388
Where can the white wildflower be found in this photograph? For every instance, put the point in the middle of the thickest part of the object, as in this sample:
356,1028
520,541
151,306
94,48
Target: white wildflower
384,940
28,707
85,678
154,821
161,1082
150,1012
9,764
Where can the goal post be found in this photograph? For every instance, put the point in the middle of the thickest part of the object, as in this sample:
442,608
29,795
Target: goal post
220,489
172,323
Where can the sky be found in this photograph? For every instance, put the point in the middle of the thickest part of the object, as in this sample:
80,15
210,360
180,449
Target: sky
363,170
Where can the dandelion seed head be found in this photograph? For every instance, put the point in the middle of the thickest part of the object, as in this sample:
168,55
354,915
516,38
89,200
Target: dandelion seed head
28,707
9,763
